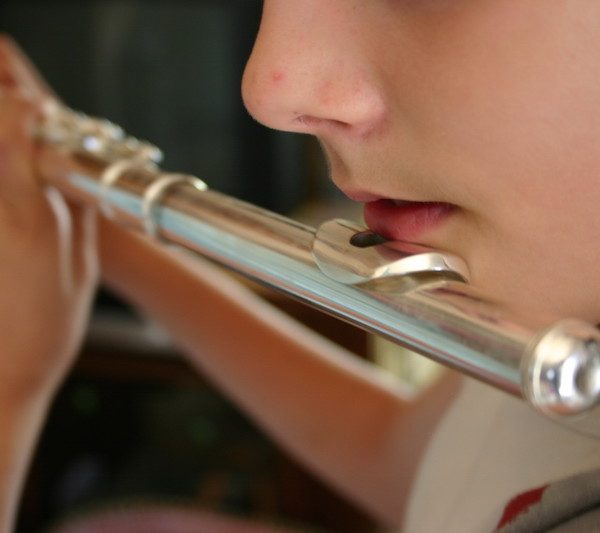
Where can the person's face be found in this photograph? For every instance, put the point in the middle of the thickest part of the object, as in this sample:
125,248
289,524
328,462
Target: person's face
490,109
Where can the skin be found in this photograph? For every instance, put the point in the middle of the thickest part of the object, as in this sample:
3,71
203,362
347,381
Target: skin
49,270
491,106
51,254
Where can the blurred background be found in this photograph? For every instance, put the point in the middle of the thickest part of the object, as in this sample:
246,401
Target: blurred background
134,425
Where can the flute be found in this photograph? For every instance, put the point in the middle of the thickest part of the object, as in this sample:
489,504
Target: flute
416,297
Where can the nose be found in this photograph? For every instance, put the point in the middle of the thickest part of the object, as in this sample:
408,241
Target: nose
310,70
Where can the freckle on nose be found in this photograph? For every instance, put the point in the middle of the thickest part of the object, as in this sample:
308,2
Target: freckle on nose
277,76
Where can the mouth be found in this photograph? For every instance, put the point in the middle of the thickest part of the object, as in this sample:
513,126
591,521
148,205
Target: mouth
400,220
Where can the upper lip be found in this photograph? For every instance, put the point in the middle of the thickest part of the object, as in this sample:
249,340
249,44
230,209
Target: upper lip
367,197
362,196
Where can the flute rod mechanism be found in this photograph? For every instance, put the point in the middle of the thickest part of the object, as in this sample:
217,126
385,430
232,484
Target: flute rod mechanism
416,297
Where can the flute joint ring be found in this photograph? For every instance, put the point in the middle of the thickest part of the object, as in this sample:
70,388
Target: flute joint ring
155,192
112,174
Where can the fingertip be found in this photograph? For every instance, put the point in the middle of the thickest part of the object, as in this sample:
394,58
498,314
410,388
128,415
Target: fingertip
18,72
7,43
5,38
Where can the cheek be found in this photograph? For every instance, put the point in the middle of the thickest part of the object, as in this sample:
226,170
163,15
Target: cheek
505,104
535,179
510,89
525,162
539,256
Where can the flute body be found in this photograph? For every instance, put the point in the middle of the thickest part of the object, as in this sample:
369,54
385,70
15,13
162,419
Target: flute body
418,298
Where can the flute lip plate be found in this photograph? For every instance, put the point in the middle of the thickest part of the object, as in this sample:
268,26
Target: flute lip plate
351,264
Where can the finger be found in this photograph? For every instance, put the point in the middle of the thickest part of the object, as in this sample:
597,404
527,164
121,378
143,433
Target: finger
74,237
18,180
84,237
18,72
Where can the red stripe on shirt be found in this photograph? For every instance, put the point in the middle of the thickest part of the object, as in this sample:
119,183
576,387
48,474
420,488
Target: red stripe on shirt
520,504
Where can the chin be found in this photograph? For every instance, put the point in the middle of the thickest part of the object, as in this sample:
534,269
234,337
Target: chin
550,305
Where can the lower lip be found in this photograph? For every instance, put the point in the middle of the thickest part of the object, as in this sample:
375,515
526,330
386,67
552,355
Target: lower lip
405,222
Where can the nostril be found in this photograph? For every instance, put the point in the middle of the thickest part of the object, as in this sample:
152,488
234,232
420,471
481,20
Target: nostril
313,123
307,120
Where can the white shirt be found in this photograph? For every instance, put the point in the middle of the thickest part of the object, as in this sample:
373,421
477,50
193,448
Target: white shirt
488,448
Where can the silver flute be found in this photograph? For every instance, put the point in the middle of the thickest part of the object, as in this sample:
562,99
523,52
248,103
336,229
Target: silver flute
416,297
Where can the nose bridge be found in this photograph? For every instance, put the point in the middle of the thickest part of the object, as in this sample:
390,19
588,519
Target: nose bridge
307,62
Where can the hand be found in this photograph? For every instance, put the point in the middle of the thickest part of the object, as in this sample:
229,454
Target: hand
48,268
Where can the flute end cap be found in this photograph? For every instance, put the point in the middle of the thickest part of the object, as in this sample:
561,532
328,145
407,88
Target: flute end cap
561,374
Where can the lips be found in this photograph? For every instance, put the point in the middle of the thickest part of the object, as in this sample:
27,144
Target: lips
403,220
